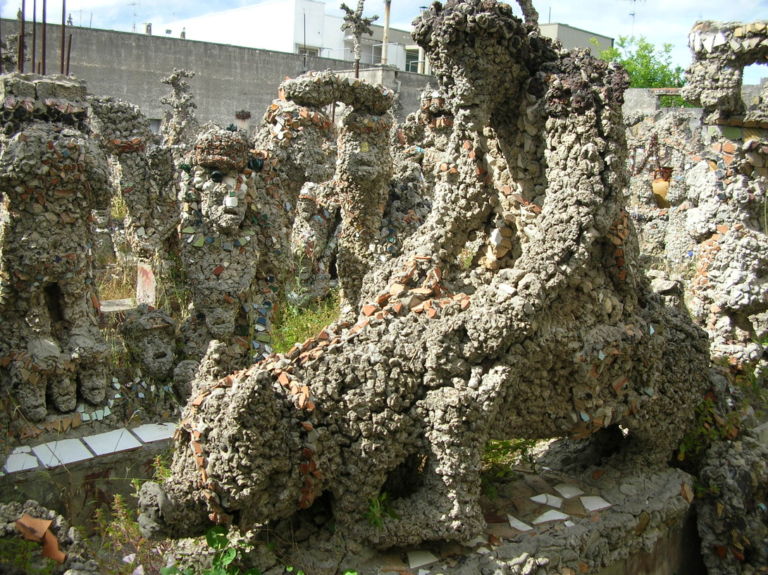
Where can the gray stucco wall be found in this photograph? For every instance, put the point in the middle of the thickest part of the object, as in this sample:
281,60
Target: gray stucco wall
228,78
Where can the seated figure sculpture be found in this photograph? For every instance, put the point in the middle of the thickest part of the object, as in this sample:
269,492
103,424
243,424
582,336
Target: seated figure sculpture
561,336
53,174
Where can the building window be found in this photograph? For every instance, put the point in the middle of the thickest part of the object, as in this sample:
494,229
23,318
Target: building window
412,60
307,51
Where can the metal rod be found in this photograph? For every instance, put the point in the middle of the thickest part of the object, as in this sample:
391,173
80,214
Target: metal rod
69,52
34,35
20,63
63,33
43,47
385,37
1,50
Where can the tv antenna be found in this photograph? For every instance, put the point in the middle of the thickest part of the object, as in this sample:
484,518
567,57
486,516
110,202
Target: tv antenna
133,5
633,14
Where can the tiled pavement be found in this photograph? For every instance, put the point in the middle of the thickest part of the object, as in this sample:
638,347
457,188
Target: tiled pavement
67,451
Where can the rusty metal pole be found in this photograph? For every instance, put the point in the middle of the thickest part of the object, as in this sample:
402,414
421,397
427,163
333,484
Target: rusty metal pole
20,62
43,46
69,52
34,35
63,33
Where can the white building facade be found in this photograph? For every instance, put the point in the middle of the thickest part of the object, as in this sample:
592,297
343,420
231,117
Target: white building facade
303,26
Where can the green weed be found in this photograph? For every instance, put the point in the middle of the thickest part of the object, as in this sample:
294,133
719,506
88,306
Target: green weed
294,324
225,557
379,508
25,555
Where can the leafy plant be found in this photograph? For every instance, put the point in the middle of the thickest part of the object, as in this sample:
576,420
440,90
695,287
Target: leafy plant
121,547
118,209
225,557
25,555
710,426
648,67
379,508
498,458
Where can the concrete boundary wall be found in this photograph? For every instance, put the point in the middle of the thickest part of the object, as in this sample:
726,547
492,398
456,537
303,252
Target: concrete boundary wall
130,66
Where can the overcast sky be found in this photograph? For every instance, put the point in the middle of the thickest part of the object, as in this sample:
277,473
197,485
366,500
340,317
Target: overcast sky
660,21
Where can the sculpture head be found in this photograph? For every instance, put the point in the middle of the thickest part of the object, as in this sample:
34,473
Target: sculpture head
258,446
222,157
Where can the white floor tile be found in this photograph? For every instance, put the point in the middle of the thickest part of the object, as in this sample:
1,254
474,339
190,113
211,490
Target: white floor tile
594,503
20,462
112,442
150,432
62,452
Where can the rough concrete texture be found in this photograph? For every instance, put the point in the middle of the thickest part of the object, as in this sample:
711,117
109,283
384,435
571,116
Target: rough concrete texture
180,126
145,175
703,242
296,146
150,336
53,175
363,167
699,193
721,50
733,514
559,335
219,244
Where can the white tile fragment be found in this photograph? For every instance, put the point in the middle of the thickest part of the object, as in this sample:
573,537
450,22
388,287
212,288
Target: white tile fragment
21,449
568,491
418,559
569,523
551,515
594,503
112,442
150,432
20,461
548,499
62,452
515,523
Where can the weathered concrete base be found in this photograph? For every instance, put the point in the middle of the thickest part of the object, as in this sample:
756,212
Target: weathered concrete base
641,523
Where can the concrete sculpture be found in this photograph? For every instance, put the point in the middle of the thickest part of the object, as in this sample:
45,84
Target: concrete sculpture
560,336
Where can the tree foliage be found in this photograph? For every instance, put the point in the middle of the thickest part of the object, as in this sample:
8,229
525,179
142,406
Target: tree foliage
648,67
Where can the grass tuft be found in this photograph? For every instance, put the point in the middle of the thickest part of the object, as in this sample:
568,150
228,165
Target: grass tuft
295,324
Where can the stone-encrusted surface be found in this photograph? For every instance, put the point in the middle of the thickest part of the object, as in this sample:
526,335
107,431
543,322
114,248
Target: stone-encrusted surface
563,337
721,50
53,175
733,515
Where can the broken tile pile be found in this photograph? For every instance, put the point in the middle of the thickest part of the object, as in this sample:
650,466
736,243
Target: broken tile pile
66,539
546,341
721,51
